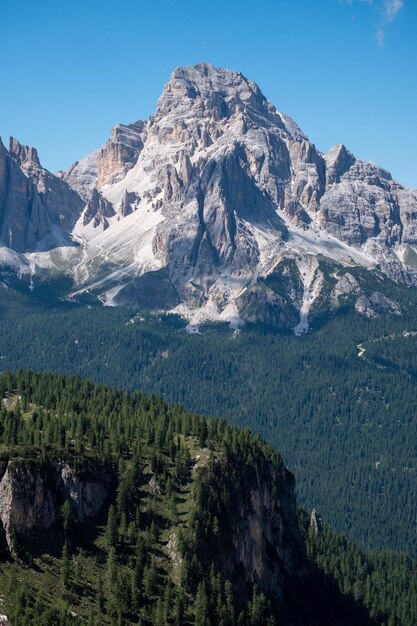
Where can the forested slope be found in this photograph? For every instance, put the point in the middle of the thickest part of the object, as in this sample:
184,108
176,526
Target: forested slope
346,425
195,524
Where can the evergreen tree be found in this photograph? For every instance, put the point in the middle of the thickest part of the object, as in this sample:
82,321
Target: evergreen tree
65,566
111,533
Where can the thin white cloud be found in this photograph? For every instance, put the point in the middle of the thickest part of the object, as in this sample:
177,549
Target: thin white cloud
380,38
388,11
349,2
391,9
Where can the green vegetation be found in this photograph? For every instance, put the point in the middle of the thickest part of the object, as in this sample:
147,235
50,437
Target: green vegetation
146,562
346,426
384,582
160,553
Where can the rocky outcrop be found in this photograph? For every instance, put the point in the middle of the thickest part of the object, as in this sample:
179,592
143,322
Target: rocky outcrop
338,161
407,200
153,291
86,487
27,507
82,175
120,153
32,492
108,164
37,210
258,539
261,538
346,286
376,304
362,204
316,522
130,203
97,211
260,304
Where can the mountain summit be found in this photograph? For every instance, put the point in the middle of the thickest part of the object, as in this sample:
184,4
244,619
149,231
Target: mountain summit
193,209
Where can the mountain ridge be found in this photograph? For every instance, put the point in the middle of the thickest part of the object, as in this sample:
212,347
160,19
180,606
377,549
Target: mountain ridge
213,193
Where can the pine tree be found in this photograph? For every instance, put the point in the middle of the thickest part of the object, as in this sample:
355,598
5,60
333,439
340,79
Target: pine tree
111,574
66,516
179,608
100,593
65,566
201,606
111,532
150,578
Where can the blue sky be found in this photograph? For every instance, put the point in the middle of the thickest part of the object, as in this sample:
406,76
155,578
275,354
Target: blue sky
345,70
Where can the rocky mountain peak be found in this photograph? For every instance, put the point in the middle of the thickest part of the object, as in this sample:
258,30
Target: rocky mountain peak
120,153
338,161
127,133
25,155
206,198
37,210
217,93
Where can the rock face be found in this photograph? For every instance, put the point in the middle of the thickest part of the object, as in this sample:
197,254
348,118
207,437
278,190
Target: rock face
262,304
376,305
316,522
214,190
258,523
31,494
260,538
27,506
37,210
97,211
224,187
120,153
108,164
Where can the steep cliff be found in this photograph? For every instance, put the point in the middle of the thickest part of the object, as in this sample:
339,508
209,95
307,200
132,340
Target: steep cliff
108,164
37,210
32,492
256,539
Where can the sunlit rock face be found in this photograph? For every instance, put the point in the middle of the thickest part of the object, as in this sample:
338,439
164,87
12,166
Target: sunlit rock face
37,210
214,190
31,496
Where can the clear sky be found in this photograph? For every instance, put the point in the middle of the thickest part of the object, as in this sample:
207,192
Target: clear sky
345,70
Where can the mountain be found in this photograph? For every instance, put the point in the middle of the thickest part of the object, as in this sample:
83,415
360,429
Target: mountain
192,209
116,508
38,211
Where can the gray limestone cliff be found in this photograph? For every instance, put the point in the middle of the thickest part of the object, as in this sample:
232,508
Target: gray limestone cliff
32,493
316,522
37,210
109,163
255,510
224,186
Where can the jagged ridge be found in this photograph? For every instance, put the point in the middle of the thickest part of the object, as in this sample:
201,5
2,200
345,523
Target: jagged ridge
216,189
